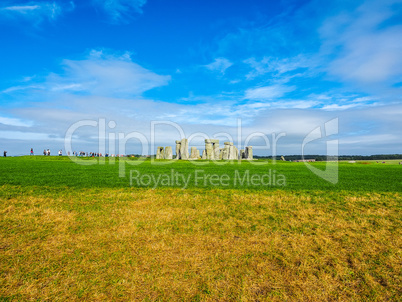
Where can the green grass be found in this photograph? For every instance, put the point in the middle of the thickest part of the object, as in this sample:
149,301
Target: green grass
72,232
61,171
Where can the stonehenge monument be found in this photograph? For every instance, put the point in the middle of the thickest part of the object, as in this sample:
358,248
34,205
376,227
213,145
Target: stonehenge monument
211,151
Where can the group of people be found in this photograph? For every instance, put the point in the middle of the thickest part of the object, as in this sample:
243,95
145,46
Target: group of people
47,152
90,154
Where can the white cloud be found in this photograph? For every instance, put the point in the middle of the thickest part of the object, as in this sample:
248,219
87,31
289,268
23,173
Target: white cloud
35,12
69,87
20,88
23,9
26,136
332,101
366,51
301,104
369,139
220,65
347,102
134,114
121,10
339,107
276,66
99,74
268,92
14,122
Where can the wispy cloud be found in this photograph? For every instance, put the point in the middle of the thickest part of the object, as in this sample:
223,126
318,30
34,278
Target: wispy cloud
267,93
276,66
35,12
121,10
370,48
100,74
26,136
9,121
22,9
21,88
219,64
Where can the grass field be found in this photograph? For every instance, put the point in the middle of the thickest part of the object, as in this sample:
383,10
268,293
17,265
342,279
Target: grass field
62,172
75,232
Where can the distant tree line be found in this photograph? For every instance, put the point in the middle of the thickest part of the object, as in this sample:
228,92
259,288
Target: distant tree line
331,158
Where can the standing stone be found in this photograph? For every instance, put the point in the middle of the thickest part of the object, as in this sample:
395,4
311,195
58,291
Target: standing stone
209,149
216,149
184,149
178,146
204,154
160,154
230,151
212,149
225,153
242,155
195,154
235,153
168,152
249,152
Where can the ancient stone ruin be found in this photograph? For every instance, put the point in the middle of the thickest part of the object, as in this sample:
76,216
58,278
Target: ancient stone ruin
195,153
168,153
182,149
211,151
248,153
160,153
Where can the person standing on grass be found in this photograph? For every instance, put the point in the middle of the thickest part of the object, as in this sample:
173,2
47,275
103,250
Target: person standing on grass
32,153
44,152
60,153
5,154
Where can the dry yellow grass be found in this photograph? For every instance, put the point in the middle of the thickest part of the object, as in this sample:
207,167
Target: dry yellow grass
199,245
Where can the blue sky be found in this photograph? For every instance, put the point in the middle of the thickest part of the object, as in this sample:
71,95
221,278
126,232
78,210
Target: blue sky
279,66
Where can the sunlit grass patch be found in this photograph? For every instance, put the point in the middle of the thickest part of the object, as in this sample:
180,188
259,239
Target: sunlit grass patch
199,244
